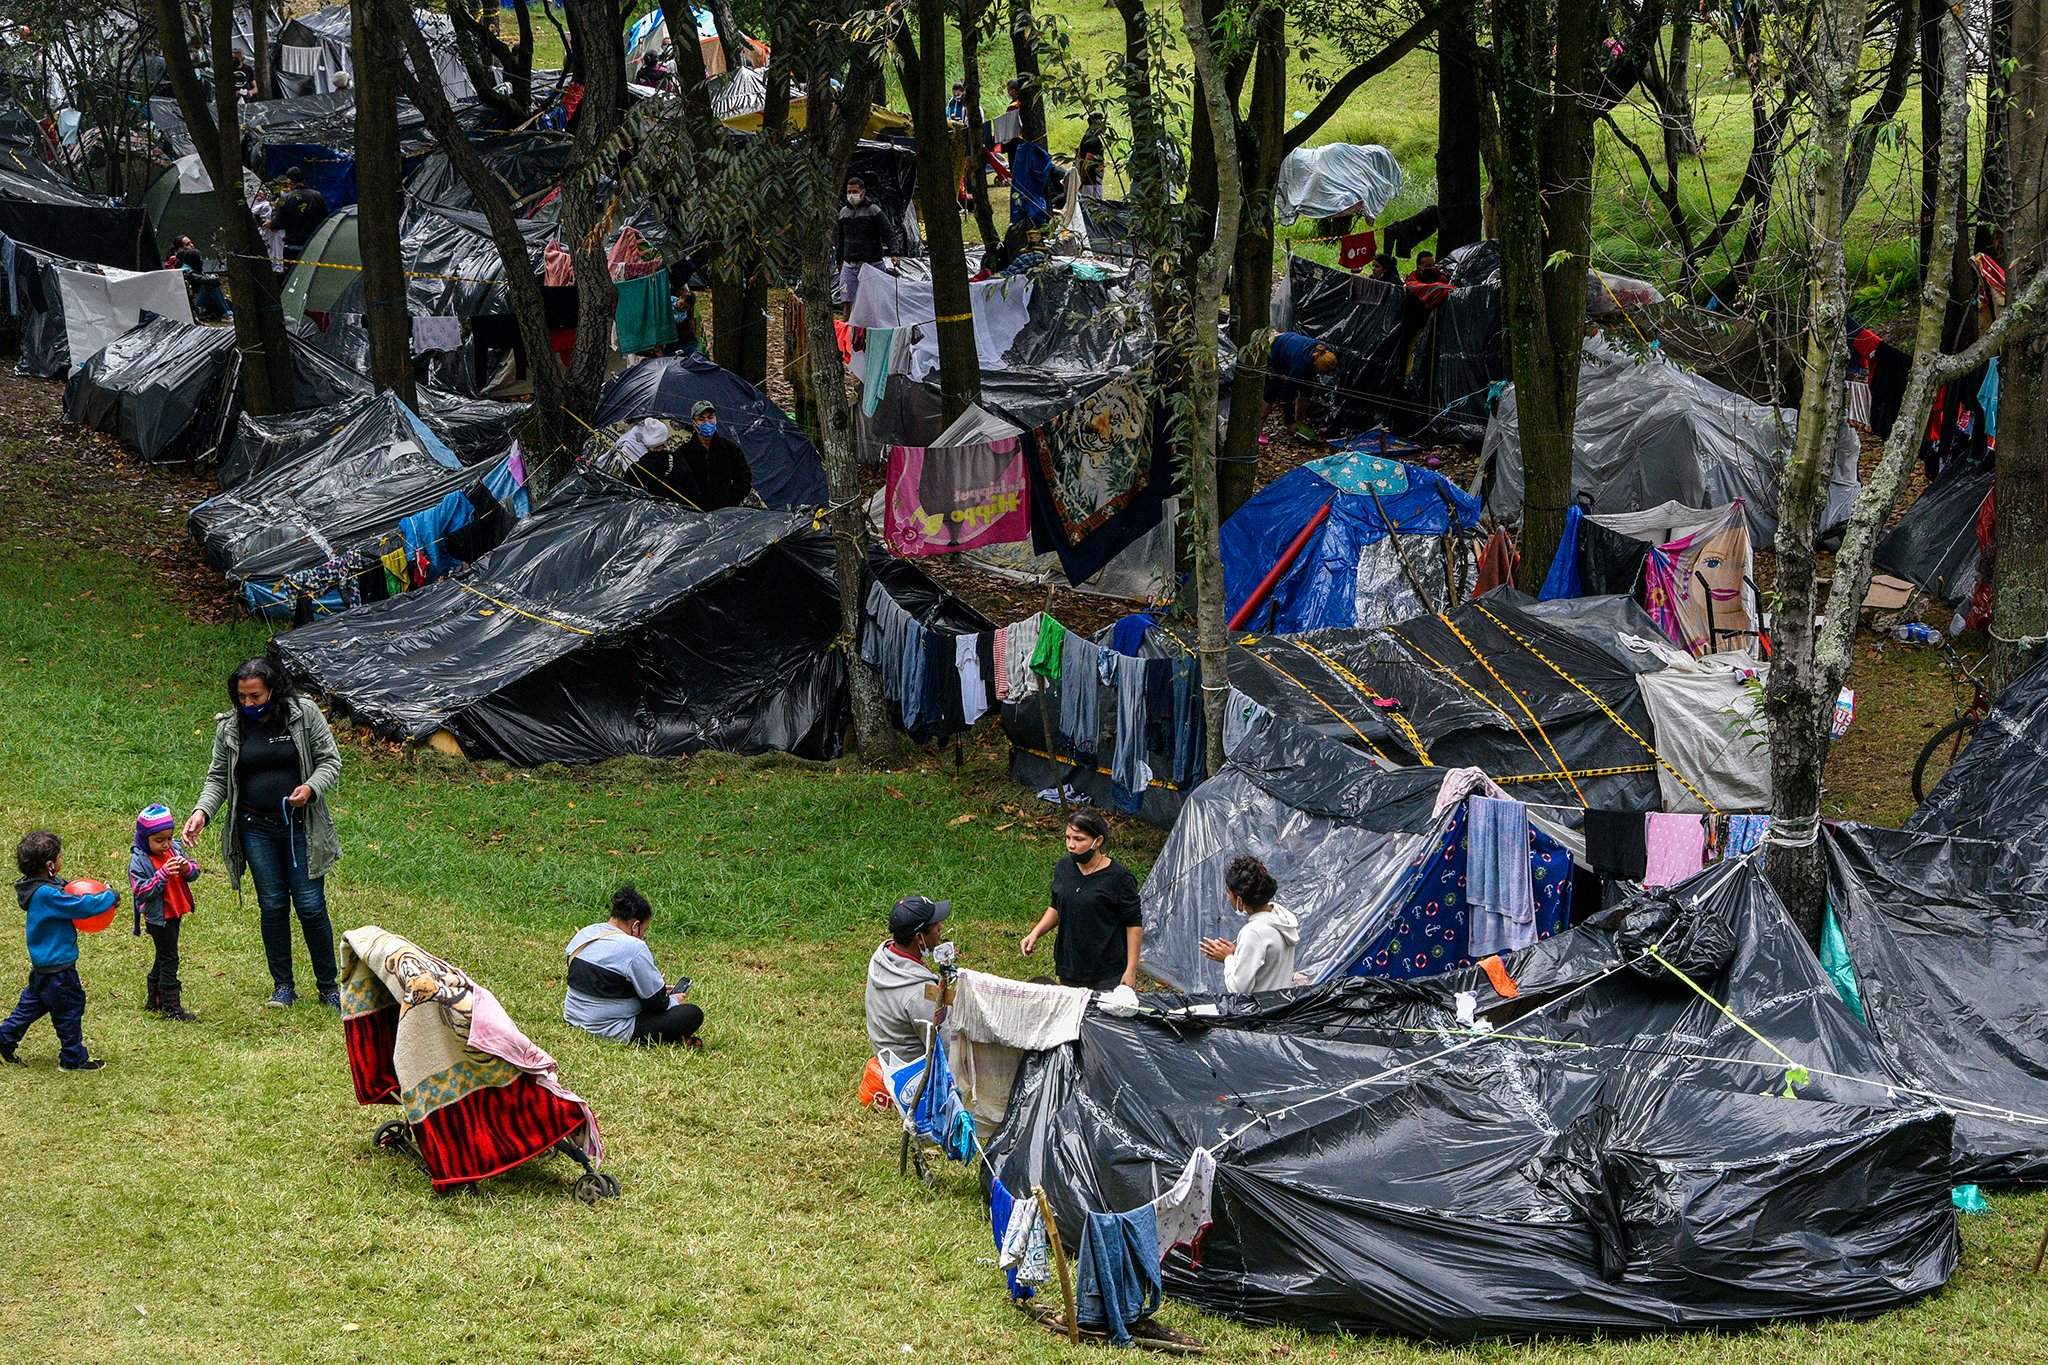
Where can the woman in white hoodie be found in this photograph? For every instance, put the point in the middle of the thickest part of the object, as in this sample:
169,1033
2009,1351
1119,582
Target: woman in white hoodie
1262,959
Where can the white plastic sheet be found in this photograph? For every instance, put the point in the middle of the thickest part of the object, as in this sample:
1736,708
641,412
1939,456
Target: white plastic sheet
1342,177
1710,727
1001,308
98,308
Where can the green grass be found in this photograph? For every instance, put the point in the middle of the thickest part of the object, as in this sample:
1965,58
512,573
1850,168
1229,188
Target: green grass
213,1195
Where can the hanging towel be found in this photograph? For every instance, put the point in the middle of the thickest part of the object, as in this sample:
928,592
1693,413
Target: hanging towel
557,267
1987,398
436,334
1498,559
1001,679
1497,852
1563,578
1130,774
644,319
993,1023
1614,843
1675,847
1117,1283
874,369
1019,644
1183,1211
1745,832
973,691
1025,1251
1050,650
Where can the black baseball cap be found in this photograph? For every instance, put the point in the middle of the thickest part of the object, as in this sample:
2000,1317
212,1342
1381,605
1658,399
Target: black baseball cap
914,914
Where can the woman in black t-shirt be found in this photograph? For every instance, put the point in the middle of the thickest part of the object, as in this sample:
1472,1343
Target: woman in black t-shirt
1095,906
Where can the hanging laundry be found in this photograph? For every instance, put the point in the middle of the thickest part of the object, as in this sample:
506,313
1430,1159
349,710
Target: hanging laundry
1498,559
1026,1250
1050,650
1183,1210
1002,1206
1190,756
1020,643
629,257
993,1023
945,499
1127,636
435,334
1130,774
1987,398
1117,1282
1614,844
1000,676
396,579
1098,477
557,267
426,532
1503,900
1563,578
1080,721
1745,832
973,691
1675,847
644,319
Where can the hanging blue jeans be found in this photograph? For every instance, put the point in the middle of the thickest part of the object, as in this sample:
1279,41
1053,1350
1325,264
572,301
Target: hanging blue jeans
1189,732
276,855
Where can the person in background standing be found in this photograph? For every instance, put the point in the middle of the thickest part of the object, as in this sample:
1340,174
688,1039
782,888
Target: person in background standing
299,214
956,107
1095,908
865,237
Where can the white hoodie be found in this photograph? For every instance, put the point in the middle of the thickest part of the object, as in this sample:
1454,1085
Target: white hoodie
1264,957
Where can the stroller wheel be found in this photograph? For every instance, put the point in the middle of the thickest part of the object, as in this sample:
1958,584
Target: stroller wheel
611,1187
393,1136
590,1187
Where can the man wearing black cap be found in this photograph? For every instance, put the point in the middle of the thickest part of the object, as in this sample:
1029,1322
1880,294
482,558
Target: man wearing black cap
903,993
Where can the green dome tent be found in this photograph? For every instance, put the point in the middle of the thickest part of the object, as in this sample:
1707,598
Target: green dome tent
175,212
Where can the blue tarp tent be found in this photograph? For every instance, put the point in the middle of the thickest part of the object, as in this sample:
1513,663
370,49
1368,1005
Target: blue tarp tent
1349,574
786,468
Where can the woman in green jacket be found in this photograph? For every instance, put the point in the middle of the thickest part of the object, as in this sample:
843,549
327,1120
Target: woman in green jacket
274,762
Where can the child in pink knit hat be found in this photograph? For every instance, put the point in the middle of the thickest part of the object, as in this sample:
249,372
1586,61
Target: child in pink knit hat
162,875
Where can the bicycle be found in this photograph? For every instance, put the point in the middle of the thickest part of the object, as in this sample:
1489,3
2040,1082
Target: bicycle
1941,751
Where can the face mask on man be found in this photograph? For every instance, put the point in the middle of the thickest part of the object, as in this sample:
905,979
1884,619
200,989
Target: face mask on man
707,427
854,198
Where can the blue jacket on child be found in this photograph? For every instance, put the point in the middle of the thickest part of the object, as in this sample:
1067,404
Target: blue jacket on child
52,937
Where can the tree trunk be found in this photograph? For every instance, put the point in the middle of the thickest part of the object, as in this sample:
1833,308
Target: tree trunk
2020,572
834,122
1024,48
1251,282
519,71
379,197
1545,186
1458,220
924,82
1198,344
977,126
259,49
268,382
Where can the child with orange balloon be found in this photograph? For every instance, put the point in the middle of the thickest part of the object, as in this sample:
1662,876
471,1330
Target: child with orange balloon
56,911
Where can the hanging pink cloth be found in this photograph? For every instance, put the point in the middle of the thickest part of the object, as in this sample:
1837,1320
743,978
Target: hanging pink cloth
556,267
628,257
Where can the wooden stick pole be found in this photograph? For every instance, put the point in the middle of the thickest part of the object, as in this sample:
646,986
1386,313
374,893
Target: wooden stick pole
1059,1261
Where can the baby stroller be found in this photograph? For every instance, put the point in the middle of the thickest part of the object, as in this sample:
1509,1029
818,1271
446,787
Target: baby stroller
478,1099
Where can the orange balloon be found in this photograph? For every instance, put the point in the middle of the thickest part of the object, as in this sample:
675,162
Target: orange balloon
86,886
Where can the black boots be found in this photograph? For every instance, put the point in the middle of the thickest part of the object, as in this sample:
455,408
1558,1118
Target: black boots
173,1006
156,999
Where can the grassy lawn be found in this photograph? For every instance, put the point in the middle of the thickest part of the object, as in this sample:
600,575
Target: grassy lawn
213,1195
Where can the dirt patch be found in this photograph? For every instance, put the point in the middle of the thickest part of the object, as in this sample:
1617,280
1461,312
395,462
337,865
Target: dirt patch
65,483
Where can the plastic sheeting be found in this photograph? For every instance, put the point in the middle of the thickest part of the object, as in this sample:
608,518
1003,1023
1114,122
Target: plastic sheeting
1340,835
528,163
1349,571
160,388
1649,432
1994,788
1368,324
473,428
1377,1168
609,623
785,465
1338,177
42,209
1934,546
1001,308
1949,945
382,466
1710,725
1457,704
100,307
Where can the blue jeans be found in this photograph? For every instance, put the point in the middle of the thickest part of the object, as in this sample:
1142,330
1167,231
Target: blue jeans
209,298
276,856
61,995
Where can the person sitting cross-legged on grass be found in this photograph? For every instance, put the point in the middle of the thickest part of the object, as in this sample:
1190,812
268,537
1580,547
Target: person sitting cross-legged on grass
616,991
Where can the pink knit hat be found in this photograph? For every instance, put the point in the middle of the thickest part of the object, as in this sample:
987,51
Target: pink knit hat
154,819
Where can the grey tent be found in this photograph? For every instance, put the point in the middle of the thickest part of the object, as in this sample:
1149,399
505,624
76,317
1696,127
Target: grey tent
1649,432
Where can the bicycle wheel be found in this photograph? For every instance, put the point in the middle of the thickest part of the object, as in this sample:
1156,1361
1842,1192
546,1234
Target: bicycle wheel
1941,751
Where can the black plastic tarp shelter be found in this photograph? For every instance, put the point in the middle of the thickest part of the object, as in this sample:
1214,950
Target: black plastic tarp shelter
1934,546
43,209
1948,946
473,428
786,468
527,163
609,623
1380,1168
161,388
1367,323
1509,685
384,464
1995,788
